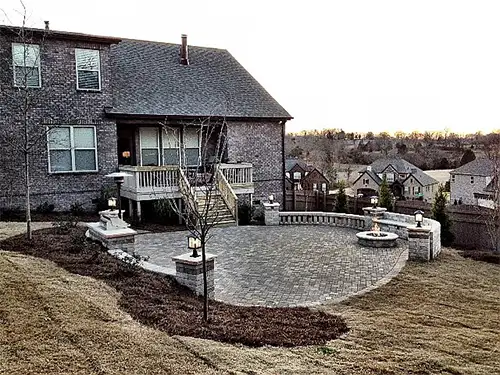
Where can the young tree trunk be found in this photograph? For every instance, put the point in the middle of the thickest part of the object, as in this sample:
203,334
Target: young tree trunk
28,194
205,285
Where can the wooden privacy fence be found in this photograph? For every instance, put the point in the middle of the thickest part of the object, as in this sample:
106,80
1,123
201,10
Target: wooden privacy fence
308,200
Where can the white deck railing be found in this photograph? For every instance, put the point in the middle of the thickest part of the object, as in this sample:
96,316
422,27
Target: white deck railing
324,218
227,193
146,183
237,174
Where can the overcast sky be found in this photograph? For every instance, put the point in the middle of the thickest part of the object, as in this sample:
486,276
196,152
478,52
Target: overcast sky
357,65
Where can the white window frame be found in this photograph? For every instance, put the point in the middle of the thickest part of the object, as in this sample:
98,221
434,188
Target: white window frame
88,70
323,186
24,45
159,158
295,174
72,148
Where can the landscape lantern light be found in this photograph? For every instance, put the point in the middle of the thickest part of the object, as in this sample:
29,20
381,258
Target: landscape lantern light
194,244
119,178
112,203
419,217
271,198
374,201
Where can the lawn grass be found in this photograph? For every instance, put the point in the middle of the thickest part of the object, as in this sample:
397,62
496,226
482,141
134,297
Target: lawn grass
433,318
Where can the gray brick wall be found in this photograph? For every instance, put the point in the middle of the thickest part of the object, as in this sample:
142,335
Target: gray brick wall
57,102
259,143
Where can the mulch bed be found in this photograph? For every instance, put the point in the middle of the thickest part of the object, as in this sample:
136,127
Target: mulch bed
483,256
160,302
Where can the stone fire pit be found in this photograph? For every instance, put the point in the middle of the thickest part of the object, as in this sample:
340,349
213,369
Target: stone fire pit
377,239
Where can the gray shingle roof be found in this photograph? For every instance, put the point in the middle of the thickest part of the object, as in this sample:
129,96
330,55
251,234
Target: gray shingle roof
149,80
402,166
477,167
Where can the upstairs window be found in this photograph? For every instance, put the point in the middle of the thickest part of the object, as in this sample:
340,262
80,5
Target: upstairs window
452,178
88,69
297,175
323,186
72,149
471,179
26,61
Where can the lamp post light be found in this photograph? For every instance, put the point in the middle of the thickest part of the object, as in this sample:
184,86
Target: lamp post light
271,198
374,201
119,178
194,244
112,203
419,217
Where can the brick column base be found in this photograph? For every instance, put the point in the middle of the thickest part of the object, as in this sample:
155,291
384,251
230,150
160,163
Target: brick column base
271,213
419,243
189,272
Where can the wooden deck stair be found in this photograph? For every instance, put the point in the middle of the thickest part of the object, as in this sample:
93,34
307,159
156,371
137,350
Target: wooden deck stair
218,211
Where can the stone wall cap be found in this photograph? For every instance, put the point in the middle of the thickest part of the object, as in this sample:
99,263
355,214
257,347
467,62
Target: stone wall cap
188,259
270,205
112,233
414,228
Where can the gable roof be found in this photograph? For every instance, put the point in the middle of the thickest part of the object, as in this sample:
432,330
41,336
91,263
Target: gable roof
290,163
422,177
399,164
311,175
372,174
148,79
403,167
477,167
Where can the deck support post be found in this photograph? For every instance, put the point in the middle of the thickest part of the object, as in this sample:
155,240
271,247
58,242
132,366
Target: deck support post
139,212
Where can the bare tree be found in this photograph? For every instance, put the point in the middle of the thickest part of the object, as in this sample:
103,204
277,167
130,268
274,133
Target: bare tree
202,184
22,133
493,216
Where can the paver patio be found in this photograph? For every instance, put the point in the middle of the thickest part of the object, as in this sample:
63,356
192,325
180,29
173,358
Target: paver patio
283,265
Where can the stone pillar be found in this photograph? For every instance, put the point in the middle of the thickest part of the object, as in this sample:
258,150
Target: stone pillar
419,243
271,213
374,213
112,232
189,272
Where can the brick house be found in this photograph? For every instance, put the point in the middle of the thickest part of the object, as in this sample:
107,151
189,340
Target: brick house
404,179
469,182
301,176
104,104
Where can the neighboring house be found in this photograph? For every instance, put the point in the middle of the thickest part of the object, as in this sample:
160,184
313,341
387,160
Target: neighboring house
305,177
471,179
316,181
489,196
404,179
104,99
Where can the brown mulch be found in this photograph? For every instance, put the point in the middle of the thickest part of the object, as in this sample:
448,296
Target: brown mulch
483,256
160,302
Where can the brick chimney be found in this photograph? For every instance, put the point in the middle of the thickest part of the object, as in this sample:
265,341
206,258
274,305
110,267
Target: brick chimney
46,25
184,60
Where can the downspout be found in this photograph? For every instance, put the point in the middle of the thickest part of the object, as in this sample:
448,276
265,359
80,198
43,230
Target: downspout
283,167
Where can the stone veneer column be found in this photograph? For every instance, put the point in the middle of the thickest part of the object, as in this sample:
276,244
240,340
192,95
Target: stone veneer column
419,243
271,213
189,272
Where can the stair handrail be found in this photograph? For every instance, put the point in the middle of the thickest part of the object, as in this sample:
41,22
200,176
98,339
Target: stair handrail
187,191
227,193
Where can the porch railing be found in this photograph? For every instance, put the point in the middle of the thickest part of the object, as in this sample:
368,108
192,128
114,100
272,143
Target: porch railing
149,182
227,193
187,191
149,179
237,174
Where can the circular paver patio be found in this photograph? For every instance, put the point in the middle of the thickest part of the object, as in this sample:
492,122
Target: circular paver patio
283,265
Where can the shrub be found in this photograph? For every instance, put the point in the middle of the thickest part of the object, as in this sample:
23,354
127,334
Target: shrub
385,199
439,214
45,208
76,209
341,201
